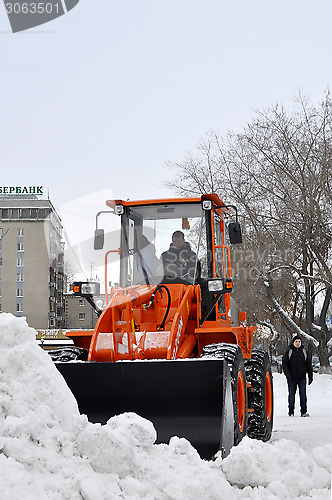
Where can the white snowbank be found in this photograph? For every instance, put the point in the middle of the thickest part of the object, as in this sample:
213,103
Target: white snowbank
49,451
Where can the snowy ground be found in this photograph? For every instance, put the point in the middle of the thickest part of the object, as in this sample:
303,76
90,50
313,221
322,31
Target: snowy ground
49,451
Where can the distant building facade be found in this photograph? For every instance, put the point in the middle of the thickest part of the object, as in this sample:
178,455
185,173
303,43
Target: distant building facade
31,257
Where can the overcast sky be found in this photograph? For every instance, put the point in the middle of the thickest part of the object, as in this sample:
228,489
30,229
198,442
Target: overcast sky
105,95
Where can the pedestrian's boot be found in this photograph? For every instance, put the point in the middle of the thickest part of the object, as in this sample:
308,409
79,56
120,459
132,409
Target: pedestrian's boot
304,414
290,412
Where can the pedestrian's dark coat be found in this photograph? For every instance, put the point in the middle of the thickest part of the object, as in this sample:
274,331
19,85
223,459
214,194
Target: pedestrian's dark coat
296,363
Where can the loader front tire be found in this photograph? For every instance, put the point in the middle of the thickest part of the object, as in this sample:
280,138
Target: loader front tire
233,355
259,375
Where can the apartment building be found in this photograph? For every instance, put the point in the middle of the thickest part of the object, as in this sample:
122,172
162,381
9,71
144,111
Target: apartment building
31,257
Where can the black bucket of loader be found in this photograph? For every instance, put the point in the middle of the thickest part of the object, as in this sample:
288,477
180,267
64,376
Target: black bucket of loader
185,398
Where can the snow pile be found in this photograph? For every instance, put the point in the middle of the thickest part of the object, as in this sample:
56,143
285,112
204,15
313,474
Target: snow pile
283,468
49,451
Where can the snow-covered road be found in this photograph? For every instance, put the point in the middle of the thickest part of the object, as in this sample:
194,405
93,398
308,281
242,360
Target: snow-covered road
308,432
49,451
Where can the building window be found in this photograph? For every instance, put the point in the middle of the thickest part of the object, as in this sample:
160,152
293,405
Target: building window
43,213
0,261
81,302
19,292
20,277
20,231
19,262
81,316
33,213
25,213
19,308
5,213
15,213
52,322
20,247
1,232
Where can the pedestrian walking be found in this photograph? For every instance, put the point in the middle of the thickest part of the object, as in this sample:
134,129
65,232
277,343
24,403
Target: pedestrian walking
296,364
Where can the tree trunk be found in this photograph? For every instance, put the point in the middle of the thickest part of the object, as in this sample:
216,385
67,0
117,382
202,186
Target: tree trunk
323,352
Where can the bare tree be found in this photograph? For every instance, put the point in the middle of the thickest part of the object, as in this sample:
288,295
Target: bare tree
278,172
69,275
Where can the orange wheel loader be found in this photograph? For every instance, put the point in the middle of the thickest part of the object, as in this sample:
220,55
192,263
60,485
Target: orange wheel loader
171,344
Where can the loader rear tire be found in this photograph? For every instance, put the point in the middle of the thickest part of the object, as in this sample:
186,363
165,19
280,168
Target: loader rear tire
233,355
258,371
68,353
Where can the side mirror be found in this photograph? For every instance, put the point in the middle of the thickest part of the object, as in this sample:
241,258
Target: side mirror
99,239
234,231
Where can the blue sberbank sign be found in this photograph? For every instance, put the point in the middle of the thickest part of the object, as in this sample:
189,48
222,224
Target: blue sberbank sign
10,190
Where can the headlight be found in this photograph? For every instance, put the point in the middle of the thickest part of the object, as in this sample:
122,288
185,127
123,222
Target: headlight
207,205
215,285
219,285
119,209
86,288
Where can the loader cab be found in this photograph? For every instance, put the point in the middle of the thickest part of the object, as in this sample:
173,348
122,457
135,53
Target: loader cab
150,238
148,254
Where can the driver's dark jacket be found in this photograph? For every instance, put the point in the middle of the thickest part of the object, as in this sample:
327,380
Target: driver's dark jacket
174,268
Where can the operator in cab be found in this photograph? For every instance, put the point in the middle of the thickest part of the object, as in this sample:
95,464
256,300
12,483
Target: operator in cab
179,261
